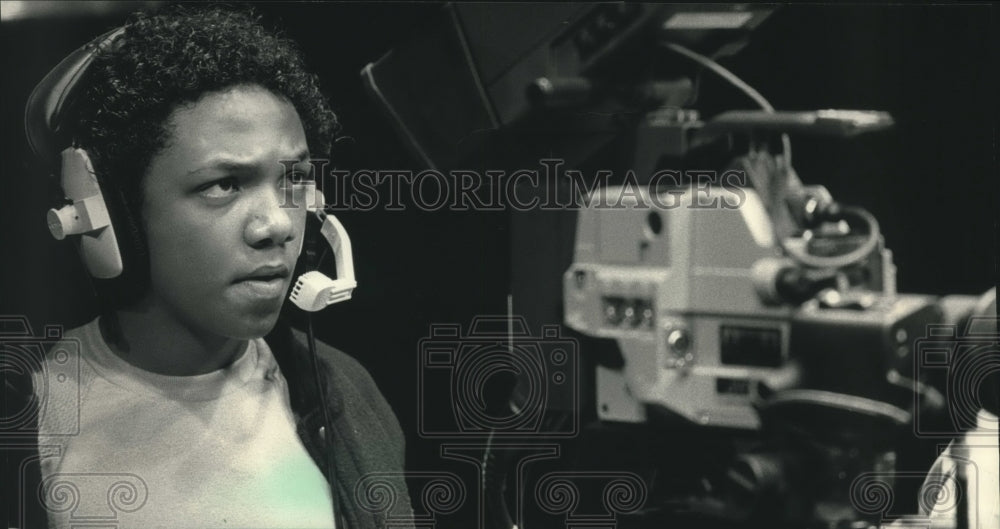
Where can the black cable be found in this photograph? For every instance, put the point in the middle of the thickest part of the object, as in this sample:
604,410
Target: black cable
803,258
960,453
494,486
733,79
327,423
319,261
849,258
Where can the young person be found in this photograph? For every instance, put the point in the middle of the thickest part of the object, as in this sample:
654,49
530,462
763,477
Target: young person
196,403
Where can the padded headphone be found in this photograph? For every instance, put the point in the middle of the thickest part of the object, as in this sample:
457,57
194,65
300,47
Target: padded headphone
111,241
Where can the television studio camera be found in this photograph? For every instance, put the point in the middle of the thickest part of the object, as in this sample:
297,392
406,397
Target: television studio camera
749,355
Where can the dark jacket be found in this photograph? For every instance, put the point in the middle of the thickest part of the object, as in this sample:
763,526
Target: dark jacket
366,445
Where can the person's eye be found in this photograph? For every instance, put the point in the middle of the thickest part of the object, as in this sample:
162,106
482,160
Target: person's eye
297,178
220,189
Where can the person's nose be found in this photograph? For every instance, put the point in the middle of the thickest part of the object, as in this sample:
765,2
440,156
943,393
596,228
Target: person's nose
271,222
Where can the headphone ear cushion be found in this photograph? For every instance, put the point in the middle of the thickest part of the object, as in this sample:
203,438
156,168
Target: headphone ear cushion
88,215
114,250
133,282
122,280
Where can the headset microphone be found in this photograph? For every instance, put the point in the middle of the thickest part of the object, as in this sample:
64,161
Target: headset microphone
313,290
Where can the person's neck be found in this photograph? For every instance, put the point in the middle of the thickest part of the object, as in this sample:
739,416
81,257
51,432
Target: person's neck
151,339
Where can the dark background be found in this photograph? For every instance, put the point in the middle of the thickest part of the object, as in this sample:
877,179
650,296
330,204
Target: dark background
931,181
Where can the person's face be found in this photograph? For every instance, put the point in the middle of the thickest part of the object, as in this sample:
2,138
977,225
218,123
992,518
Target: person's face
223,229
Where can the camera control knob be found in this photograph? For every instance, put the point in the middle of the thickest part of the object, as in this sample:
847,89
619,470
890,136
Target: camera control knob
679,342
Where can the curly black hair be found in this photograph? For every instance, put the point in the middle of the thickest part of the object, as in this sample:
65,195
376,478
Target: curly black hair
173,57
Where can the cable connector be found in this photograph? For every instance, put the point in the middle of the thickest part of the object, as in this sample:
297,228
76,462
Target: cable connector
314,291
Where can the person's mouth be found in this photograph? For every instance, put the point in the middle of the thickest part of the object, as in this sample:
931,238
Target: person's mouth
267,281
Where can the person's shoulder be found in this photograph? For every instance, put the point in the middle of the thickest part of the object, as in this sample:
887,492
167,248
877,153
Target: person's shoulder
354,392
338,360
346,371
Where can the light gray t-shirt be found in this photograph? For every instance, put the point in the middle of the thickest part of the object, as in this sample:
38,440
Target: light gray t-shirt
135,449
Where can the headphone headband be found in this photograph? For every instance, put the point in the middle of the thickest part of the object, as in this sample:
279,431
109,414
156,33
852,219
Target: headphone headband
54,95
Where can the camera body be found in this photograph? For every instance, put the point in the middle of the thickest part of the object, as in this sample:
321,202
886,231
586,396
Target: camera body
676,279
674,287
693,286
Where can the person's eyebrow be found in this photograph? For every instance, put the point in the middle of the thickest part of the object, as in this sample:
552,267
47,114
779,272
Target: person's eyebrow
302,155
231,165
